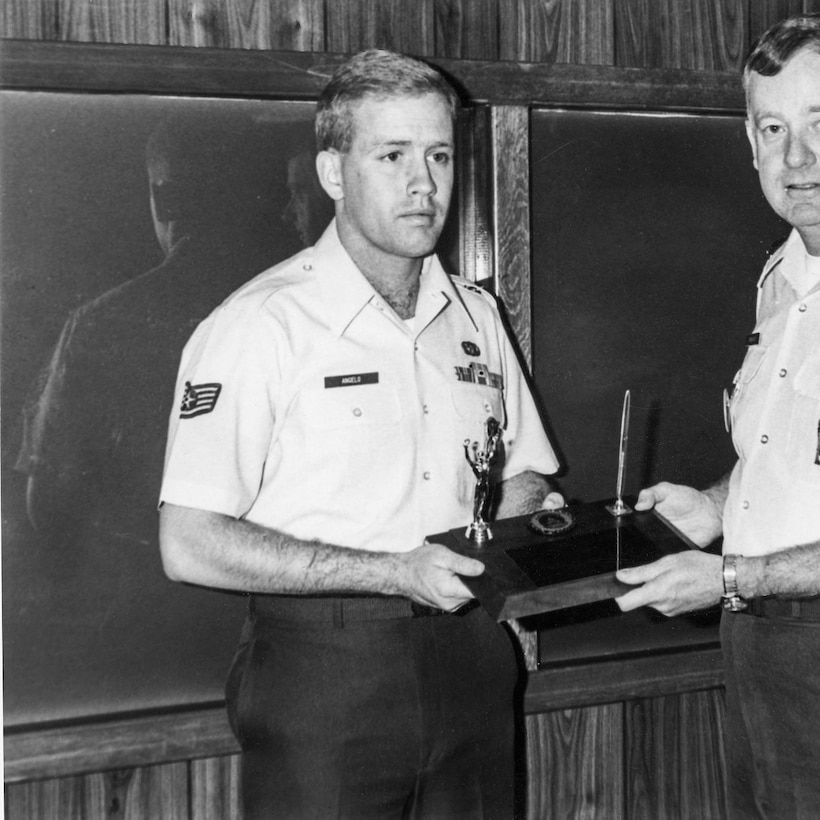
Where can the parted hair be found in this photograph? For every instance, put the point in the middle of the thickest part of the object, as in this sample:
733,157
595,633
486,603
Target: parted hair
379,74
780,43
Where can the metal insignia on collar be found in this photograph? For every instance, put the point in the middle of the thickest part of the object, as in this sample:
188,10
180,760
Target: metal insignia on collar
470,348
552,522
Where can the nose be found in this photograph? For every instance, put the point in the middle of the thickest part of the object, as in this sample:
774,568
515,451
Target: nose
421,182
799,151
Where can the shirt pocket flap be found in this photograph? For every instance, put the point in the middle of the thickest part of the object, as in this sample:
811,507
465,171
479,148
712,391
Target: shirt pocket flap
349,407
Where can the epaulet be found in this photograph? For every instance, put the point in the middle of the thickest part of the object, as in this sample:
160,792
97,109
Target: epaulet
775,246
472,287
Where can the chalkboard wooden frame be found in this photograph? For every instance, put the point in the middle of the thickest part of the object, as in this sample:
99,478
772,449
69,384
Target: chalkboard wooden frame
508,90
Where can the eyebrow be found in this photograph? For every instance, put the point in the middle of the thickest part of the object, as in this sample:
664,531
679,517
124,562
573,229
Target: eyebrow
380,144
813,109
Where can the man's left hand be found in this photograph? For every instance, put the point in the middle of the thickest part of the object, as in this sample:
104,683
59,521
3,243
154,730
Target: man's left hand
675,584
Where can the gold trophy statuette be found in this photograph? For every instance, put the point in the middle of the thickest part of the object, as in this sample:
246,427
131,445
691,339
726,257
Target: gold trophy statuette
482,461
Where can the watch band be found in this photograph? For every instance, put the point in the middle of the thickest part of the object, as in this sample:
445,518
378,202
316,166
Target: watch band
731,598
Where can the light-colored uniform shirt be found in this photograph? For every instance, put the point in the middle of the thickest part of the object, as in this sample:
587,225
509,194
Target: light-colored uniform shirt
774,490
309,406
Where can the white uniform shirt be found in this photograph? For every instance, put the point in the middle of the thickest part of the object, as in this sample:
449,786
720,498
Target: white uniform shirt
311,408
774,490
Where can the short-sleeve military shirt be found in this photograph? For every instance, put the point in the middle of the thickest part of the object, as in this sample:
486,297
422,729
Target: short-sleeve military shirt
774,490
305,404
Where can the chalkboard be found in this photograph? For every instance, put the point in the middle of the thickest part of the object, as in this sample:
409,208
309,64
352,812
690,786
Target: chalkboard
125,219
649,235
99,294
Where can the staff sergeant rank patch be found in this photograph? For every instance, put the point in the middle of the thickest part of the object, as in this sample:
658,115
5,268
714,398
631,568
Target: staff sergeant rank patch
479,373
199,399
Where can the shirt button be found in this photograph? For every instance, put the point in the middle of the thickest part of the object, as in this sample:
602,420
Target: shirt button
357,411
745,505
427,475
488,407
307,267
783,372
803,308
764,438
425,408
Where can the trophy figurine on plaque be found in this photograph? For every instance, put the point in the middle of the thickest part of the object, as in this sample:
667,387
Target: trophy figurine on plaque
481,461
555,559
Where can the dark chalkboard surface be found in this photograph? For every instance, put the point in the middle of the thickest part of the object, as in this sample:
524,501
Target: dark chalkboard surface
649,235
95,314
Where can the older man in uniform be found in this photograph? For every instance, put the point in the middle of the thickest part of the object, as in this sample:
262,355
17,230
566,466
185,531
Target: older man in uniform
768,508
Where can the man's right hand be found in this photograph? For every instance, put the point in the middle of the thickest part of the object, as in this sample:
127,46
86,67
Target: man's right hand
693,512
432,576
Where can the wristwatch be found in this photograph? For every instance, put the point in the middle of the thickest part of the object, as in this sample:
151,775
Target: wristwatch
731,598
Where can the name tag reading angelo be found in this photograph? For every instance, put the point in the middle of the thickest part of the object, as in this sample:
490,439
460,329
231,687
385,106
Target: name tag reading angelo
351,380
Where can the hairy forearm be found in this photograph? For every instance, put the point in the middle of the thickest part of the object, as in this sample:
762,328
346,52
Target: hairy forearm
520,495
793,572
218,551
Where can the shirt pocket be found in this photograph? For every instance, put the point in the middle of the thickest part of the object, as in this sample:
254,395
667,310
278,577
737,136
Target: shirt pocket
747,402
346,410
473,405
804,428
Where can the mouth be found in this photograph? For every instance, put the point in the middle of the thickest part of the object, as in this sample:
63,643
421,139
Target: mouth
421,217
803,187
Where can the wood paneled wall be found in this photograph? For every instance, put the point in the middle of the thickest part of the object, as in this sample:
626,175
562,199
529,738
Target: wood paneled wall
692,34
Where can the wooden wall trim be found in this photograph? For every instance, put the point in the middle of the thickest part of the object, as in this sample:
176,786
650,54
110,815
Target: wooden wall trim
117,743
301,75
648,676
146,740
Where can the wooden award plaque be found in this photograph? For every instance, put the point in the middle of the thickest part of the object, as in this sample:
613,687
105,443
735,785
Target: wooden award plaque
528,572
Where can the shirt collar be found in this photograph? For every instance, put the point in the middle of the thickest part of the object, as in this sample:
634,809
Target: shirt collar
790,262
346,292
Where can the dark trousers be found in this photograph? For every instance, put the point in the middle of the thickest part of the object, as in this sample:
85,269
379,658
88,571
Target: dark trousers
392,717
772,717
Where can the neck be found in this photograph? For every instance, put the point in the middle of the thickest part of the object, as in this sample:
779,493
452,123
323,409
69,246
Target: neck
394,278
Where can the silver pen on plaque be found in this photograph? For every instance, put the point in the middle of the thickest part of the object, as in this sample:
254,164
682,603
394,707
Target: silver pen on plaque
619,507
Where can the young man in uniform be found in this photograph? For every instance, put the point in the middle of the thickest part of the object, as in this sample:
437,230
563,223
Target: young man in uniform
768,508
320,438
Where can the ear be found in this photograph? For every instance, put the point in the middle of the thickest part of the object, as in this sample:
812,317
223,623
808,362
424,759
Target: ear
329,171
750,133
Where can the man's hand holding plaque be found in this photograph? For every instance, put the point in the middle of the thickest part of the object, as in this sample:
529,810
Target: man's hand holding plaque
555,558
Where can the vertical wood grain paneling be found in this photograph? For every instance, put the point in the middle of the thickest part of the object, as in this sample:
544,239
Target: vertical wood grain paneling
156,792
215,789
764,13
198,23
557,31
298,25
511,195
675,758
575,763
466,29
46,799
27,20
691,34
353,25
112,21
475,195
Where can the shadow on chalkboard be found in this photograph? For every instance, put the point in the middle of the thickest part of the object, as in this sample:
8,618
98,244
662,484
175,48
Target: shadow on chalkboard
125,221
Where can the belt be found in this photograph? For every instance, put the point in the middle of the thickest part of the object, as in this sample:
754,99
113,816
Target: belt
341,609
787,609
